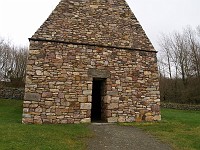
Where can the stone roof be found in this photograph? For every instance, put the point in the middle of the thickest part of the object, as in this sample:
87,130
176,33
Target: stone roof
95,22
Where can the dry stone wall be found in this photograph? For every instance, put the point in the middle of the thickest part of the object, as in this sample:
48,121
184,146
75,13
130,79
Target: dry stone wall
180,106
12,93
59,83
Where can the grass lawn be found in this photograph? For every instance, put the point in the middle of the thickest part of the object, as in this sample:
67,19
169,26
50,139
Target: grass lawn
17,136
179,128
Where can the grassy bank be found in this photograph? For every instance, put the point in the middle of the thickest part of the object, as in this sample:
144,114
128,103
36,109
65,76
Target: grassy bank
14,135
179,128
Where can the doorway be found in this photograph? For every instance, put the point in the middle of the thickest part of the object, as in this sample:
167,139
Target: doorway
98,93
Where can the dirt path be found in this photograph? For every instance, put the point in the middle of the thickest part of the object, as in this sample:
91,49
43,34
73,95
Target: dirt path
114,137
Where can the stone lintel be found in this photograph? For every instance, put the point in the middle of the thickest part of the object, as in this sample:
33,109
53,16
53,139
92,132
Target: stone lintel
96,73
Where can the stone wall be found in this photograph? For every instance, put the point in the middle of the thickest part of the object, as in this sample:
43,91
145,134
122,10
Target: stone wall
59,83
86,39
95,22
180,106
12,93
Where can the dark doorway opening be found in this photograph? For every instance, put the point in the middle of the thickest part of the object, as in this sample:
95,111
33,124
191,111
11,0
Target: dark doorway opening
98,93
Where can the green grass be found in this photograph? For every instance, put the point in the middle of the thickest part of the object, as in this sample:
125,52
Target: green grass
179,128
17,136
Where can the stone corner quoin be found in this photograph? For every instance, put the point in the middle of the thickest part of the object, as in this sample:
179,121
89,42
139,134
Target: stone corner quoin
91,58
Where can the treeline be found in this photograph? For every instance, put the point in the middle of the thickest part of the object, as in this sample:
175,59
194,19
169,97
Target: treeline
179,65
12,64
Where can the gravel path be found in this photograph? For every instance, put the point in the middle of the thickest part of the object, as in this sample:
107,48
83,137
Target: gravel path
114,137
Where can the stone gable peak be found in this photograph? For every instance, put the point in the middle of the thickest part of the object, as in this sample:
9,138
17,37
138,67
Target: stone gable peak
94,22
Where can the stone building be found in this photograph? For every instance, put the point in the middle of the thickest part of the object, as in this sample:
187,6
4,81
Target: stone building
91,61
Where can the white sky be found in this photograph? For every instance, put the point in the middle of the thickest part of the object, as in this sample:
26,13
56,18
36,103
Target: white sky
19,19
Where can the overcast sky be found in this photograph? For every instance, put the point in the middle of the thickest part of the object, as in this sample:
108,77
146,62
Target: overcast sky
19,19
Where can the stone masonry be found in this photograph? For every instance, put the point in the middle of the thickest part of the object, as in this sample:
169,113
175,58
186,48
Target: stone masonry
86,39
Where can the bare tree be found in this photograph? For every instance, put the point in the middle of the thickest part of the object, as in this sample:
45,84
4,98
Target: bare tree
165,44
18,67
5,57
181,61
12,61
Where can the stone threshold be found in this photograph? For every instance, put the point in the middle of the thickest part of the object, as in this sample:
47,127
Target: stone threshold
102,123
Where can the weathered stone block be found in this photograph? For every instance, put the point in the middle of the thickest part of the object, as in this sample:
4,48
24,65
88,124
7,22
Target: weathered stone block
37,121
118,82
64,121
34,51
154,92
108,113
87,92
121,119
26,115
39,72
61,95
130,119
48,103
32,97
115,99
107,99
89,98
86,106
129,78
149,118
27,120
86,120
113,106
112,93
82,99
47,94
38,110
26,110
146,73
112,119
33,105
148,114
